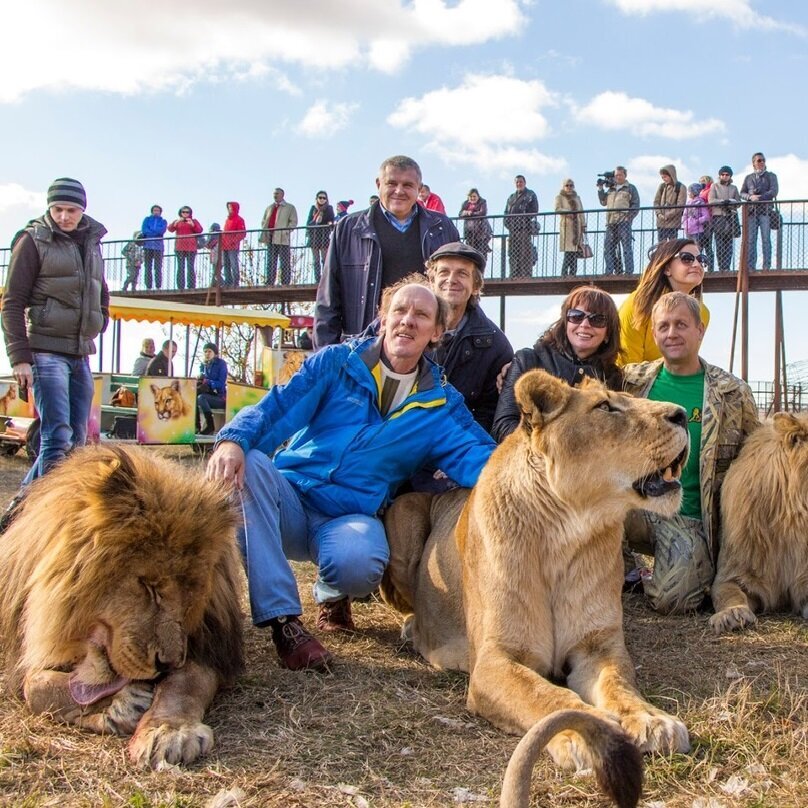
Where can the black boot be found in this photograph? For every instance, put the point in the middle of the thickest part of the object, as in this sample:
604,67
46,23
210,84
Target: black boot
209,427
10,513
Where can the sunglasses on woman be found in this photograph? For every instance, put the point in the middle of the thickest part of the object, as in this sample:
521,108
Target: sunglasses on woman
576,317
689,258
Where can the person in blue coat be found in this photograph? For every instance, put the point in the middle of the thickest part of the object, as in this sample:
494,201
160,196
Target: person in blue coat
211,387
153,228
360,418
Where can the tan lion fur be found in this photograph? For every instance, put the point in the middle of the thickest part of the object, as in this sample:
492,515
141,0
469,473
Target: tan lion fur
122,564
168,401
527,588
763,560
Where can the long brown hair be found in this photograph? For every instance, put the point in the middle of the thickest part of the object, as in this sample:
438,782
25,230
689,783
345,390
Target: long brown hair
654,282
596,301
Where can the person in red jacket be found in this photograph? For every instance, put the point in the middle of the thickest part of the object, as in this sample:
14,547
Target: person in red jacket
234,232
429,200
187,228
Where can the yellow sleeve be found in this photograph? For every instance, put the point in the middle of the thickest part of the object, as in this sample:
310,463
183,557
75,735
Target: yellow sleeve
631,340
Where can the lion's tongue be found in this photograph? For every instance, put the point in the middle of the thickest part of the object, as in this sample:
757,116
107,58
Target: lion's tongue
84,694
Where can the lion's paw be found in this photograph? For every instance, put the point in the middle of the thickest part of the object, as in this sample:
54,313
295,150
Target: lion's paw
732,618
653,730
165,743
119,714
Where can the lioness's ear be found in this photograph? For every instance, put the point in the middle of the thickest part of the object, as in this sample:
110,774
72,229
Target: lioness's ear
175,385
154,389
540,397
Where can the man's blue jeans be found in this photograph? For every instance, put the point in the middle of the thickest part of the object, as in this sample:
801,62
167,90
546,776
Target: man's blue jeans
754,223
351,551
63,392
619,233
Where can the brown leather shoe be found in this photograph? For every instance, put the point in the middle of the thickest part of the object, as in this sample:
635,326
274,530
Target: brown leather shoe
336,616
297,649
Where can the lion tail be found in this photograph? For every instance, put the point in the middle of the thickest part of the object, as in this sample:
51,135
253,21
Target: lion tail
618,762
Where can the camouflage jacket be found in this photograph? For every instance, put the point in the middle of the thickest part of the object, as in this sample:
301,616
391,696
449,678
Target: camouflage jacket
729,415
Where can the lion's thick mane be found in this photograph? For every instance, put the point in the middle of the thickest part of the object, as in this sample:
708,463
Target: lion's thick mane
86,529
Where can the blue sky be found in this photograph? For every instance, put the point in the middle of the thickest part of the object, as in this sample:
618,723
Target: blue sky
217,101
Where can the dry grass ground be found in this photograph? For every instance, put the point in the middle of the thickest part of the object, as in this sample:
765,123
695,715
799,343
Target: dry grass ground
383,729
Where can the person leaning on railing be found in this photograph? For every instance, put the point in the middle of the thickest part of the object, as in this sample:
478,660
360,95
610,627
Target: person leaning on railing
759,187
724,199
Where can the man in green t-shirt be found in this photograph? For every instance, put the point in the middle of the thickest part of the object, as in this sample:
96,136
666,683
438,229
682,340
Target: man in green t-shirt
721,413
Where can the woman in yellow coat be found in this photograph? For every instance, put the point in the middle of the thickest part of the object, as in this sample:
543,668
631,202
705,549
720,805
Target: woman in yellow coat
675,266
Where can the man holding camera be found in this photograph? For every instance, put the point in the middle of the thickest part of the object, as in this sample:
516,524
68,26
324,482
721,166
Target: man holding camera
621,200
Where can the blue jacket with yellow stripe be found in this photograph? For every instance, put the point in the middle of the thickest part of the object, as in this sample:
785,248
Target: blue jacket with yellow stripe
344,456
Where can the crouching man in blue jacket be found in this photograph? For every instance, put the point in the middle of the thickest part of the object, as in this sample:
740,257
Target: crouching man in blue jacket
361,417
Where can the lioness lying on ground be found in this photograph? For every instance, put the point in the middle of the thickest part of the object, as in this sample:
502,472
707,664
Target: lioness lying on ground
527,588
763,560
119,593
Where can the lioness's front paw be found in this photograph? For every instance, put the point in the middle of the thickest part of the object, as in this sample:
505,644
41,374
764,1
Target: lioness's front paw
732,618
654,730
165,743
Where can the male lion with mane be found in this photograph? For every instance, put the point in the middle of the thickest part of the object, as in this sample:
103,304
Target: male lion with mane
763,560
519,582
119,593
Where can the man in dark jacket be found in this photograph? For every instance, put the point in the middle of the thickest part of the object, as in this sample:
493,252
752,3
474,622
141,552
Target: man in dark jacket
161,365
472,350
373,249
56,286
521,226
760,187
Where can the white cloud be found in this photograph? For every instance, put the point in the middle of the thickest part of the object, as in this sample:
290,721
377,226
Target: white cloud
98,45
615,110
738,12
324,118
13,195
487,121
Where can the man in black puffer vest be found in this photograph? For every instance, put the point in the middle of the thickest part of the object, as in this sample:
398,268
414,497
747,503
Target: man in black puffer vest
54,306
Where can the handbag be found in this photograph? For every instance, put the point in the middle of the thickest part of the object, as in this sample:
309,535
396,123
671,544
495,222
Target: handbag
775,219
585,250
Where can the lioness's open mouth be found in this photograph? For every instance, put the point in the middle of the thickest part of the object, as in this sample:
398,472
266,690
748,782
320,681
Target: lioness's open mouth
662,481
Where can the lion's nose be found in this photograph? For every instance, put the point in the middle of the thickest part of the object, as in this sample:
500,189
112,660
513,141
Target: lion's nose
678,417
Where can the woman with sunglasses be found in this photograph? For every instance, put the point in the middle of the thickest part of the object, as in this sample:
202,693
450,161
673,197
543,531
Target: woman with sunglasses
187,229
584,341
318,230
675,266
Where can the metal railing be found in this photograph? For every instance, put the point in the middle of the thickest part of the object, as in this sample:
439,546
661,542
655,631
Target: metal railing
794,397
298,263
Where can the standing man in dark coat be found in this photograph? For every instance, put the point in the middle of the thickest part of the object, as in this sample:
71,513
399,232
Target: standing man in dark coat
521,227
373,249
54,306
